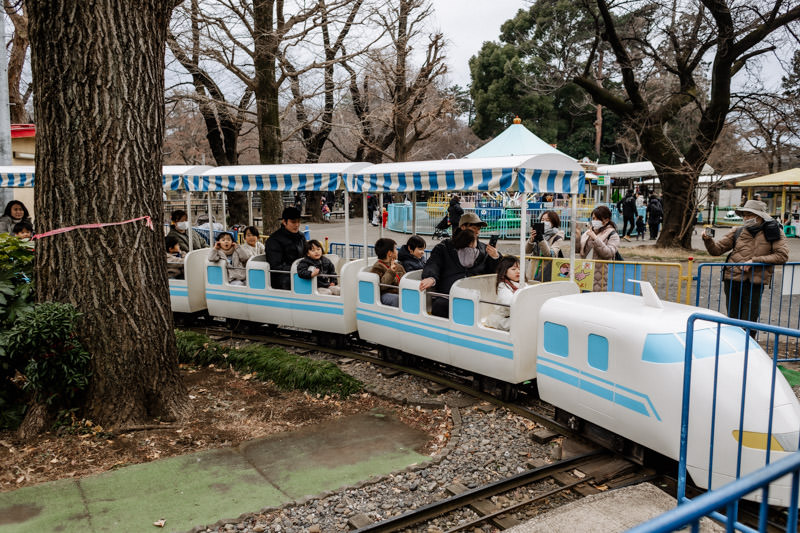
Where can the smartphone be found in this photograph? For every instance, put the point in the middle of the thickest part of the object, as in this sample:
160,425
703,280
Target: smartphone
710,232
539,228
493,240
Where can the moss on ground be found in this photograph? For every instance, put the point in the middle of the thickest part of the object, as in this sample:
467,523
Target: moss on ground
286,370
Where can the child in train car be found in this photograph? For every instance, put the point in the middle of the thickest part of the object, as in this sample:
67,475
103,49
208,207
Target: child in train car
316,265
508,274
175,257
412,254
388,270
23,230
251,244
236,257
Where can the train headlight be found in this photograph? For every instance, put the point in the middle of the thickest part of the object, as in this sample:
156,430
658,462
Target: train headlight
780,442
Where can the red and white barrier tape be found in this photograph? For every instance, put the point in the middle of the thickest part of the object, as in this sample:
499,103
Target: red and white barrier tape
146,218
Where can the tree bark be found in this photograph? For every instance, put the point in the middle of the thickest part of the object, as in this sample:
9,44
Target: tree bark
98,75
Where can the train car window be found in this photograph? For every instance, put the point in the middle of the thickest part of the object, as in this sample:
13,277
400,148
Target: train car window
556,339
731,340
662,348
597,351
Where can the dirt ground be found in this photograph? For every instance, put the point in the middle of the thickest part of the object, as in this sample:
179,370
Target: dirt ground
227,409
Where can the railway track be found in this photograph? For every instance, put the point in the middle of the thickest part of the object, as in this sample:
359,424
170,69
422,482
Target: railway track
499,503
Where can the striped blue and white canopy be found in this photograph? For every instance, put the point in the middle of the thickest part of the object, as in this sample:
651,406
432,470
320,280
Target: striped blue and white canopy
173,177
538,173
16,176
295,177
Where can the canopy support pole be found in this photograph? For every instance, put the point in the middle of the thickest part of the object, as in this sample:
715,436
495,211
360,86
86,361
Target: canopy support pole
224,214
413,212
573,236
523,219
783,203
364,224
209,209
380,215
249,208
346,227
189,215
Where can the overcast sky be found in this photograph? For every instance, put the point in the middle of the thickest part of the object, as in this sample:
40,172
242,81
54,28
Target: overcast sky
467,24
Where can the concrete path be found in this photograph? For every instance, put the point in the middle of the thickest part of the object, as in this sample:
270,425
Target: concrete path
608,512
205,487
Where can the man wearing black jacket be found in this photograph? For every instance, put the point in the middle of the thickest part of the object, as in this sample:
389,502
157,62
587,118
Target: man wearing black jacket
457,258
284,246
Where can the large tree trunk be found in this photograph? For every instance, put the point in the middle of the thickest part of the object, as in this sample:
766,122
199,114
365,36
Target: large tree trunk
98,74
265,49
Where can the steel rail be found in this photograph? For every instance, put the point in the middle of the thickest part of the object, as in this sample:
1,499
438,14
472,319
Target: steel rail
432,510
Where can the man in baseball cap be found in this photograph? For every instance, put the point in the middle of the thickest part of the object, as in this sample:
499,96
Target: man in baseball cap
284,246
457,258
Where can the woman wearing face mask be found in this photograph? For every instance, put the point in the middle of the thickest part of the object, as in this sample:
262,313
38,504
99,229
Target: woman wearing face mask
180,230
14,213
600,241
548,245
759,240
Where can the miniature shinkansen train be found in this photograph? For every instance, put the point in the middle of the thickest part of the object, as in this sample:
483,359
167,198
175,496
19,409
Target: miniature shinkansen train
614,360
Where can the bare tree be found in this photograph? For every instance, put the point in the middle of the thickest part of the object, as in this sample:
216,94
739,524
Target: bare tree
395,106
676,38
770,125
98,77
17,98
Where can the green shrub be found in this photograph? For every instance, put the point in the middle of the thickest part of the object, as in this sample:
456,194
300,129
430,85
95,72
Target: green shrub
286,370
43,346
16,278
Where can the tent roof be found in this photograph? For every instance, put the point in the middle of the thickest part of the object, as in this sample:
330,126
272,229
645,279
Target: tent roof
714,178
23,176
640,169
546,172
778,179
516,140
292,177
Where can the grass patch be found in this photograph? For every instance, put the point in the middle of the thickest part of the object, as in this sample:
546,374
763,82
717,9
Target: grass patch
792,376
286,370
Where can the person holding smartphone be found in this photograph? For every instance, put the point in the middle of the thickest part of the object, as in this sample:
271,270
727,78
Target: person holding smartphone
546,240
457,258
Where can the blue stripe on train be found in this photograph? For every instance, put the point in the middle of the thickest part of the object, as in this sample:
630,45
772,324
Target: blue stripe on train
432,326
443,337
600,391
283,303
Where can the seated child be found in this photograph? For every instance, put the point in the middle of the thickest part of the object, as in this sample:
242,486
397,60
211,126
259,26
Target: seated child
388,270
315,263
640,227
23,230
507,284
174,258
412,254
227,250
251,244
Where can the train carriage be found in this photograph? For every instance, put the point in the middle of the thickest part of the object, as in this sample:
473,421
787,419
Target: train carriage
463,340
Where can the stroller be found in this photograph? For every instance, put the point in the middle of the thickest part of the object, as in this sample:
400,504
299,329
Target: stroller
441,230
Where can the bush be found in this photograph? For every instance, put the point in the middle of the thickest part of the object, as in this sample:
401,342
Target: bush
16,275
43,346
286,370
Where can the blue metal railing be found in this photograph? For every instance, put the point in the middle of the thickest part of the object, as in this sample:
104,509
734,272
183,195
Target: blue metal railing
776,303
729,495
356,250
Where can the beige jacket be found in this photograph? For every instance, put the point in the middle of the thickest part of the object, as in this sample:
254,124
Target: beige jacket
604,246
748,248
236,266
